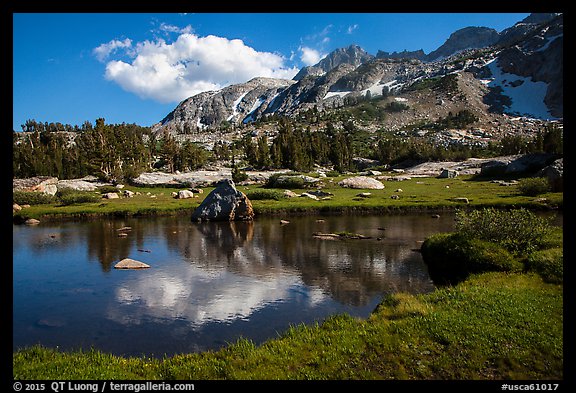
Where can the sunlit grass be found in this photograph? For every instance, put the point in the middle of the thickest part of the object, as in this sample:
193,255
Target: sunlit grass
416,193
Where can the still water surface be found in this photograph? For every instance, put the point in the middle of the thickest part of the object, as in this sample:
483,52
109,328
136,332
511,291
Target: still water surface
209,283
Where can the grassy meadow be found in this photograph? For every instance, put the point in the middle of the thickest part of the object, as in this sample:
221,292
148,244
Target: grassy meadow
415,194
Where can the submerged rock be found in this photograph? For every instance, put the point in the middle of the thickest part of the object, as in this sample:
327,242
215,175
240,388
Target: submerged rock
338,236
51,322
128,263
224,203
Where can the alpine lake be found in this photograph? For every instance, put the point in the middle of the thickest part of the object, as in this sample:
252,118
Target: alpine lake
209,283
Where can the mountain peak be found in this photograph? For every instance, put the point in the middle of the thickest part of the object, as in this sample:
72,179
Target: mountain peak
540,17
466,38
352,54
521,79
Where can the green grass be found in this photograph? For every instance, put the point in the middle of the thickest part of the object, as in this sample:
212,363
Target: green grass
491,326
151,201
417,194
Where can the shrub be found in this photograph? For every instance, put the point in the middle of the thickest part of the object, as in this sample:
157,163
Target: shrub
519,231
107,189
238,175
452,257
32,198
533,186
265,194
549,264
71,197
395,106
285,181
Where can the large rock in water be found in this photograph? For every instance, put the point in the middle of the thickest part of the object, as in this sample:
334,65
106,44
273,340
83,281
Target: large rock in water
128,263
224,203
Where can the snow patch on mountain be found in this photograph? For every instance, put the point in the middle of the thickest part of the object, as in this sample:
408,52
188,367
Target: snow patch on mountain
526,95
549,41
257,104
235,107
336,94
375,90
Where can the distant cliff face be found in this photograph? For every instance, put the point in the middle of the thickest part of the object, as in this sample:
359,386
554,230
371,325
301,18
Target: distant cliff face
539,56
466,38
535,58
524,27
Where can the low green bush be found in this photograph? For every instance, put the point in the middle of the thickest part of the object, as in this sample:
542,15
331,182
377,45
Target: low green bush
519,230
285,181
107,189
238,175
452,257
32,198
533,186
70,198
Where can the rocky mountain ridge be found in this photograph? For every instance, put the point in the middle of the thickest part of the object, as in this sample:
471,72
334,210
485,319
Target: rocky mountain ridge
352,55
502,70
236,103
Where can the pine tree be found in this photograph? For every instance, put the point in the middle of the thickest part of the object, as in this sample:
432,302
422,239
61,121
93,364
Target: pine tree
169,151
263,153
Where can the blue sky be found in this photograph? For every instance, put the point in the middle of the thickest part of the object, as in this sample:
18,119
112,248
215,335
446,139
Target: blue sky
136,67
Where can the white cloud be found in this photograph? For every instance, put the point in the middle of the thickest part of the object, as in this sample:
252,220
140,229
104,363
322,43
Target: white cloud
165,27
171,72
320,35
352,28
310,56
103,51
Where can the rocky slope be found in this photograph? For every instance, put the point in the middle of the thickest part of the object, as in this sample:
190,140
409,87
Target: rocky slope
518,72
539,56
238,103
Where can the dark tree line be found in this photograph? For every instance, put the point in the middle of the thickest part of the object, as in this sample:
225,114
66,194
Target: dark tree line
112,152
119,152
299,149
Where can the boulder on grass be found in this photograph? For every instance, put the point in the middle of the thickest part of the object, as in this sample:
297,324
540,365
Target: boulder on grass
362,182
184,194
448,174
224,203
